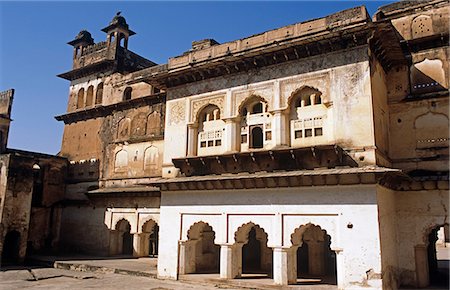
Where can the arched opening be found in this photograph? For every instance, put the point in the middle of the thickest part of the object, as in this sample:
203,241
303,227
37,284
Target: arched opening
11,248
210,131
99,94
307,117
438,258
257,108
125,237
149,243
38,186
315,261
256,123
90,96
127,94
257,137
201,254
256,255
80,99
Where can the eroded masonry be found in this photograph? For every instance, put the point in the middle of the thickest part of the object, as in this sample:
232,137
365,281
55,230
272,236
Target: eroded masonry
319,149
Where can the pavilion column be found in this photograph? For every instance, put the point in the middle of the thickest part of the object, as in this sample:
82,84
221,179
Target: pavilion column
279,129
340,269
284,266
230,261
192,140
230,135
137,245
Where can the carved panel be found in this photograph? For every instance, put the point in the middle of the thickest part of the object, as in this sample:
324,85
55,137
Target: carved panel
240,97
138,125
320,82
121,161
422,26
123,129
199,104
151,160
177,112
154,123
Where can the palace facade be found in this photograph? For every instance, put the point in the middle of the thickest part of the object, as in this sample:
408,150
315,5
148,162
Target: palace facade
315,150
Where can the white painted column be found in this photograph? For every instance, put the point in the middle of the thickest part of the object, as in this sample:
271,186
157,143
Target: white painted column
280,266
229,137
340,269
226,262
137,245
230,261
192,140
279,130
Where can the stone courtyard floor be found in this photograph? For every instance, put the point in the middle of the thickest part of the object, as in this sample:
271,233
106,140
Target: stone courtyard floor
87,272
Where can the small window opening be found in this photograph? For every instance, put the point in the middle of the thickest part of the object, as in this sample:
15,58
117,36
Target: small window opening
127,94
257,108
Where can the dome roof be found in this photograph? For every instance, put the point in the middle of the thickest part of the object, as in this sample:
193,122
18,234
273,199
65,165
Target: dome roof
84,34
118,20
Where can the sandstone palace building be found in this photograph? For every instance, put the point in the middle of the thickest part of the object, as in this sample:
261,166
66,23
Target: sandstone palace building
318,149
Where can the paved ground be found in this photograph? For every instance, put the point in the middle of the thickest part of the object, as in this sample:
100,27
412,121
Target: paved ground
87,272
51,278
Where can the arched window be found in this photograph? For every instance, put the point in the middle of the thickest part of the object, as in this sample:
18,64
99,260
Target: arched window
257,108
257,136
90,96
210,130
99,94
127,94
256,124
80,99
307,118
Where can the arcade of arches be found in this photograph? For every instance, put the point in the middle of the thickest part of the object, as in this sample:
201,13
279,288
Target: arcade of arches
124,241
309,256
254,126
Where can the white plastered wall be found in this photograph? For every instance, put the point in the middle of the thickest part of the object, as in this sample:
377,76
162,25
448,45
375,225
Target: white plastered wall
279,212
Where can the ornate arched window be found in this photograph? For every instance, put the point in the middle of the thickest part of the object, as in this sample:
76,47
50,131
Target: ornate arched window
256,124
210,131
307,116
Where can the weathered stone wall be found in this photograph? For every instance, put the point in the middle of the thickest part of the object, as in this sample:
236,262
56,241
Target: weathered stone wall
417,213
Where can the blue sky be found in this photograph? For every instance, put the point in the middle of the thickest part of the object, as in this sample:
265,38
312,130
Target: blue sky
33,49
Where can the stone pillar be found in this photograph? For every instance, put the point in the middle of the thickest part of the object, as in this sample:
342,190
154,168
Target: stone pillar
230,261
187,257
192,140
340,269
279,130
113,241
230,135
284,271
137,245
422,270
182,259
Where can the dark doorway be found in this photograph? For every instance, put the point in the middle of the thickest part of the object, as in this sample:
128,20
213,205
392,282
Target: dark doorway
11,247
251,254
257,140
153,242
302,260
127,241
438,268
